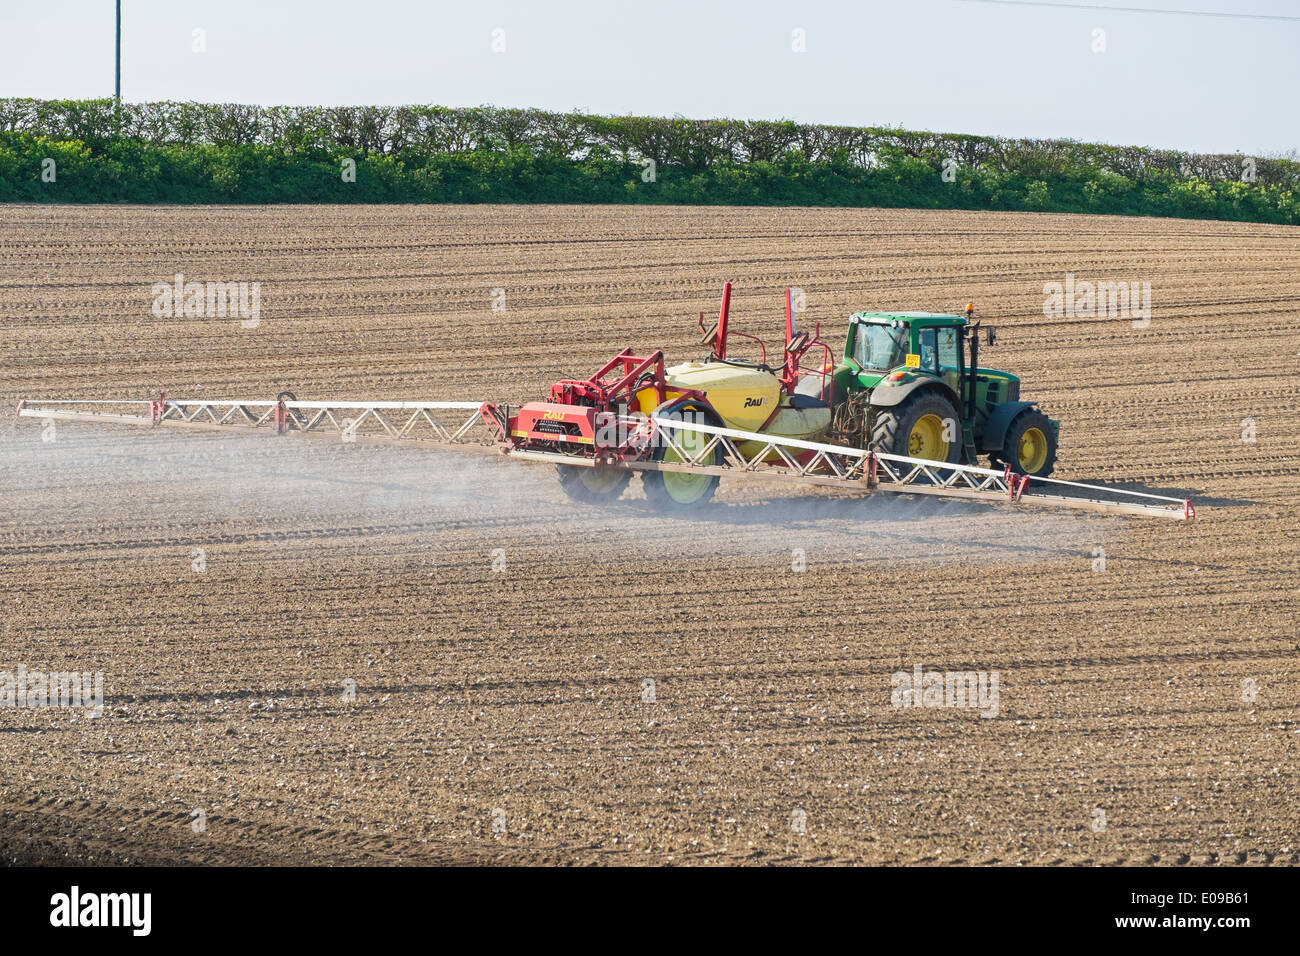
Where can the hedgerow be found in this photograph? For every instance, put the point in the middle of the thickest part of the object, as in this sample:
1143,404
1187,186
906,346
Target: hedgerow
231,153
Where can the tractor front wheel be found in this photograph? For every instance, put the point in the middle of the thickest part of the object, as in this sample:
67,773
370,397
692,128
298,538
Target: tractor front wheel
1030,445
592,485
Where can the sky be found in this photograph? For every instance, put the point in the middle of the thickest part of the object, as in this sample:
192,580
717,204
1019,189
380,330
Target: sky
1177,80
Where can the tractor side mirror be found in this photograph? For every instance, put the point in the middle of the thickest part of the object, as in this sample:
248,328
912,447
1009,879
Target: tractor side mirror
711,336
991,334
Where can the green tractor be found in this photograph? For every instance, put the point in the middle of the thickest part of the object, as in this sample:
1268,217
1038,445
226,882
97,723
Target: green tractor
910,384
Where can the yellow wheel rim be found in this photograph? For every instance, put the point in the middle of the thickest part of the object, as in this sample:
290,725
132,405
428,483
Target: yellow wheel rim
926,440
1032,451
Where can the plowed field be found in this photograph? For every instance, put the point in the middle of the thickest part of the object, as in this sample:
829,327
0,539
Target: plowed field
538,682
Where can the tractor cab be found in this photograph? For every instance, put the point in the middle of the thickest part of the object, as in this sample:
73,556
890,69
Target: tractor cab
922,342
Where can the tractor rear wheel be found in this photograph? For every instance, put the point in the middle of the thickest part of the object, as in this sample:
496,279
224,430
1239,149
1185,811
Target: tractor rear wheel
1030,444
592,485
924,425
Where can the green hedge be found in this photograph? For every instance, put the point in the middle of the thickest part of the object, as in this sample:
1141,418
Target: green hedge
224,153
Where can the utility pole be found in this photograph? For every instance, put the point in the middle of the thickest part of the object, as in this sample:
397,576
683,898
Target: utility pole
117,86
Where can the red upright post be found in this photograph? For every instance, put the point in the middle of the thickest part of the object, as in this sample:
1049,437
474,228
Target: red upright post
789,317
720,348
791,362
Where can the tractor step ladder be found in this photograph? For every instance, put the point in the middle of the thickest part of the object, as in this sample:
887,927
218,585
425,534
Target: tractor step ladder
741,453
968,441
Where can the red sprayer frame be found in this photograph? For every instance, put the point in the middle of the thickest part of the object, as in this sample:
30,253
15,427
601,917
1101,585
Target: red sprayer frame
607,394
794,353
575,418
720,346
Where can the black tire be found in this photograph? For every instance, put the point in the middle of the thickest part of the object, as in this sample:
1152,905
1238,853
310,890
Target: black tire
1029,419
678,491
593,485
892,431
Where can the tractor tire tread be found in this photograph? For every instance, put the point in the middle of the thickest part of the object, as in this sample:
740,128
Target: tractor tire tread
888,422
1029,418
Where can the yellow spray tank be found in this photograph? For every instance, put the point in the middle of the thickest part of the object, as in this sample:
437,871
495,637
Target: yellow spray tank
749,396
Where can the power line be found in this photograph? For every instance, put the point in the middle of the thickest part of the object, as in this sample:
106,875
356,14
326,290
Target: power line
1108,9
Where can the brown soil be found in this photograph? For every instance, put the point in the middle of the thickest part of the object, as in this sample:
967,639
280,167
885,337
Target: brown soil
522,689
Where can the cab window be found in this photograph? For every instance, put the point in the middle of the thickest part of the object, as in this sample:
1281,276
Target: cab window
939,354
947,347
938,349
929,351
879,347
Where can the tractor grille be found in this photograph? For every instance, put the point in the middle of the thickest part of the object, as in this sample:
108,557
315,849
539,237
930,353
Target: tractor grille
1013,392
